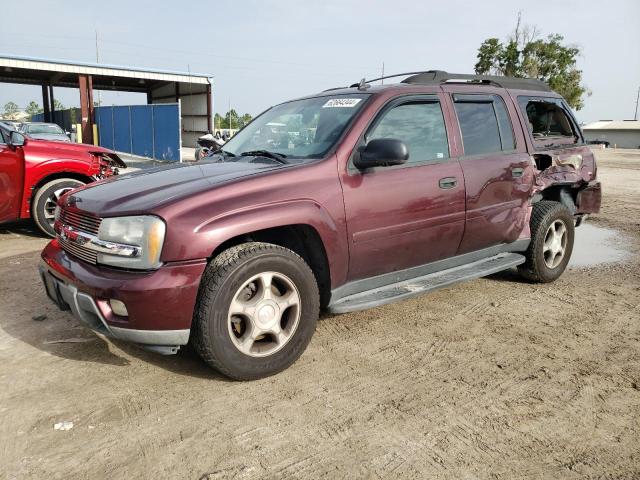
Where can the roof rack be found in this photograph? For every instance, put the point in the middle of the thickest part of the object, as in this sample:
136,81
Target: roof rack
437,77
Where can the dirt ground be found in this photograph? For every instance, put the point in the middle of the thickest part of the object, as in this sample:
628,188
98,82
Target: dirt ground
495,378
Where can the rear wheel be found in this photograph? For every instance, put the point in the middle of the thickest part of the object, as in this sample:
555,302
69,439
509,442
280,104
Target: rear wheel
46,199
552,234
257,310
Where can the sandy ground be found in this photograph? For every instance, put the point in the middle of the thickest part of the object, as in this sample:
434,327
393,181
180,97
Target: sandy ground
495,378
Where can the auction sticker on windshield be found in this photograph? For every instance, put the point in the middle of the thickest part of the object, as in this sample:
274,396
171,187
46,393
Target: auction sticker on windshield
342,103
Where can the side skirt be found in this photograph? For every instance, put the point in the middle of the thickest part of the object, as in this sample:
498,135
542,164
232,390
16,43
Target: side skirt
389,287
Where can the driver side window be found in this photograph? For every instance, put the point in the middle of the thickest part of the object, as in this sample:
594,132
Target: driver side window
420,125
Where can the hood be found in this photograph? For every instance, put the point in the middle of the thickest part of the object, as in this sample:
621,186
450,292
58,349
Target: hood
54,149
147,190
61,137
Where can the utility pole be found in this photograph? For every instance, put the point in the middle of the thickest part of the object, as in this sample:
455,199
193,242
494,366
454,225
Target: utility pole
635,117
382,73
98,61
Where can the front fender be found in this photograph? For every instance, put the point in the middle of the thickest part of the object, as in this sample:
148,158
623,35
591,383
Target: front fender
210,234
37,172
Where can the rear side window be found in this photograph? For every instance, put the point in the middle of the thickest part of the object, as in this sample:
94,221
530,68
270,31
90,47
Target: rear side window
548,122
420,125
484,124
3,136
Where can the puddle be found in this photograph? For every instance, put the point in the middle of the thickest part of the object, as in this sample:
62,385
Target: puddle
595,245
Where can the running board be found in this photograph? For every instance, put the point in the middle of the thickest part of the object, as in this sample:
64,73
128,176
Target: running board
427,283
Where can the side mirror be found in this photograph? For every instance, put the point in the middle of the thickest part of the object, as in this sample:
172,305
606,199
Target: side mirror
16,139
382,152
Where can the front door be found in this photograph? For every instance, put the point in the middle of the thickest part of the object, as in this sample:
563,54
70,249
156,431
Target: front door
497,169
11,179
407,215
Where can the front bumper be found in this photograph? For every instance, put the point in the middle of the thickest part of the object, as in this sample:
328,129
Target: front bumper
160,303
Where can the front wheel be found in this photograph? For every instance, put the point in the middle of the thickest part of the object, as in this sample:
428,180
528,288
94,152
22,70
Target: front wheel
552,234
46,199
256,312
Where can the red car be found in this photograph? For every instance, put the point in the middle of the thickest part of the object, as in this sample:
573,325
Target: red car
34,174
367,195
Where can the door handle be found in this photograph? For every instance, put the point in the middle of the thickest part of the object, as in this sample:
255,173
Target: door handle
517,172
448,182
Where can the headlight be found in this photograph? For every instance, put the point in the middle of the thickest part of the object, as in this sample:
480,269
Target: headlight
146,233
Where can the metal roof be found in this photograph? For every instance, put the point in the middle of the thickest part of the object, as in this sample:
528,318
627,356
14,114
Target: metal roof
14,67
613,125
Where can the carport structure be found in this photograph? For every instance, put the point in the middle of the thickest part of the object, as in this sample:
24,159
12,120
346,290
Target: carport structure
191,90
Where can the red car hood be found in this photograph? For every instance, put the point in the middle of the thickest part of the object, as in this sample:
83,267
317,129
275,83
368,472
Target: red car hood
70,150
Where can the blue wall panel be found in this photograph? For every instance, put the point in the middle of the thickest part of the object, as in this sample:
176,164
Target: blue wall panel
147,130
104,120
142,120
122,129
166,129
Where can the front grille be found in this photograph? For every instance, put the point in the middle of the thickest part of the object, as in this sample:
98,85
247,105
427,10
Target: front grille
82,253
80,221
84,223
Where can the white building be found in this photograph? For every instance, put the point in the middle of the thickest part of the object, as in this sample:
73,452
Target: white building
622,134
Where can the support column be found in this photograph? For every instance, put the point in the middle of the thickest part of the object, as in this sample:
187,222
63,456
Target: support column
52,104
86,107
209,109
45,103
149,97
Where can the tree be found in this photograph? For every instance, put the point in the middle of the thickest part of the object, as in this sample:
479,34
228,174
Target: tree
57,105
524,54
33,108
11,108
246,118
232,119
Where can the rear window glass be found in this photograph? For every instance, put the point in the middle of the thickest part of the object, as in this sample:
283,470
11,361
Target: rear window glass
484,124
547,121
479,127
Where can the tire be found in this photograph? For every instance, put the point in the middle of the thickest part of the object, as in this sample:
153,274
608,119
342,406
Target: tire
544,263
234,282
45,200
200,153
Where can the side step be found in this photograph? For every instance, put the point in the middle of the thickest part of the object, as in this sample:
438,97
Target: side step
427,283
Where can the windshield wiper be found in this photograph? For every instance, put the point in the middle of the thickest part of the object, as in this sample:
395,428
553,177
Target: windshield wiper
224,152
280,157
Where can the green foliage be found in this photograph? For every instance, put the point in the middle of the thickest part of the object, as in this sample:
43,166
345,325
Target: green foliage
526,56
57,105
33,108
231,120
246,118
11,108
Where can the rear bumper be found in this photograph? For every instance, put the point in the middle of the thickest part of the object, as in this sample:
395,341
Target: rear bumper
589,198
160,303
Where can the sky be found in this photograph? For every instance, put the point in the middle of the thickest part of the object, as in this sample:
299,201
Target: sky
261,53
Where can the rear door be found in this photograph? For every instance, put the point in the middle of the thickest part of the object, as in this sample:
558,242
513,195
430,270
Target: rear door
497,169
11,179
411,214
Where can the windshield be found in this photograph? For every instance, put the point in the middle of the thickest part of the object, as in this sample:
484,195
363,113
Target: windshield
50,129
303,128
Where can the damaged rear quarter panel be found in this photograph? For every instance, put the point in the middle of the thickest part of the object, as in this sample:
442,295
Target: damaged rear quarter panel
575,168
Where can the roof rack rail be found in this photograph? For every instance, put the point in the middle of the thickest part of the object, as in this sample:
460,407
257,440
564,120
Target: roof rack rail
437,77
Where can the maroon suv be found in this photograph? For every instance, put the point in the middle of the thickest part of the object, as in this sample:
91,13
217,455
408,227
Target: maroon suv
344,200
